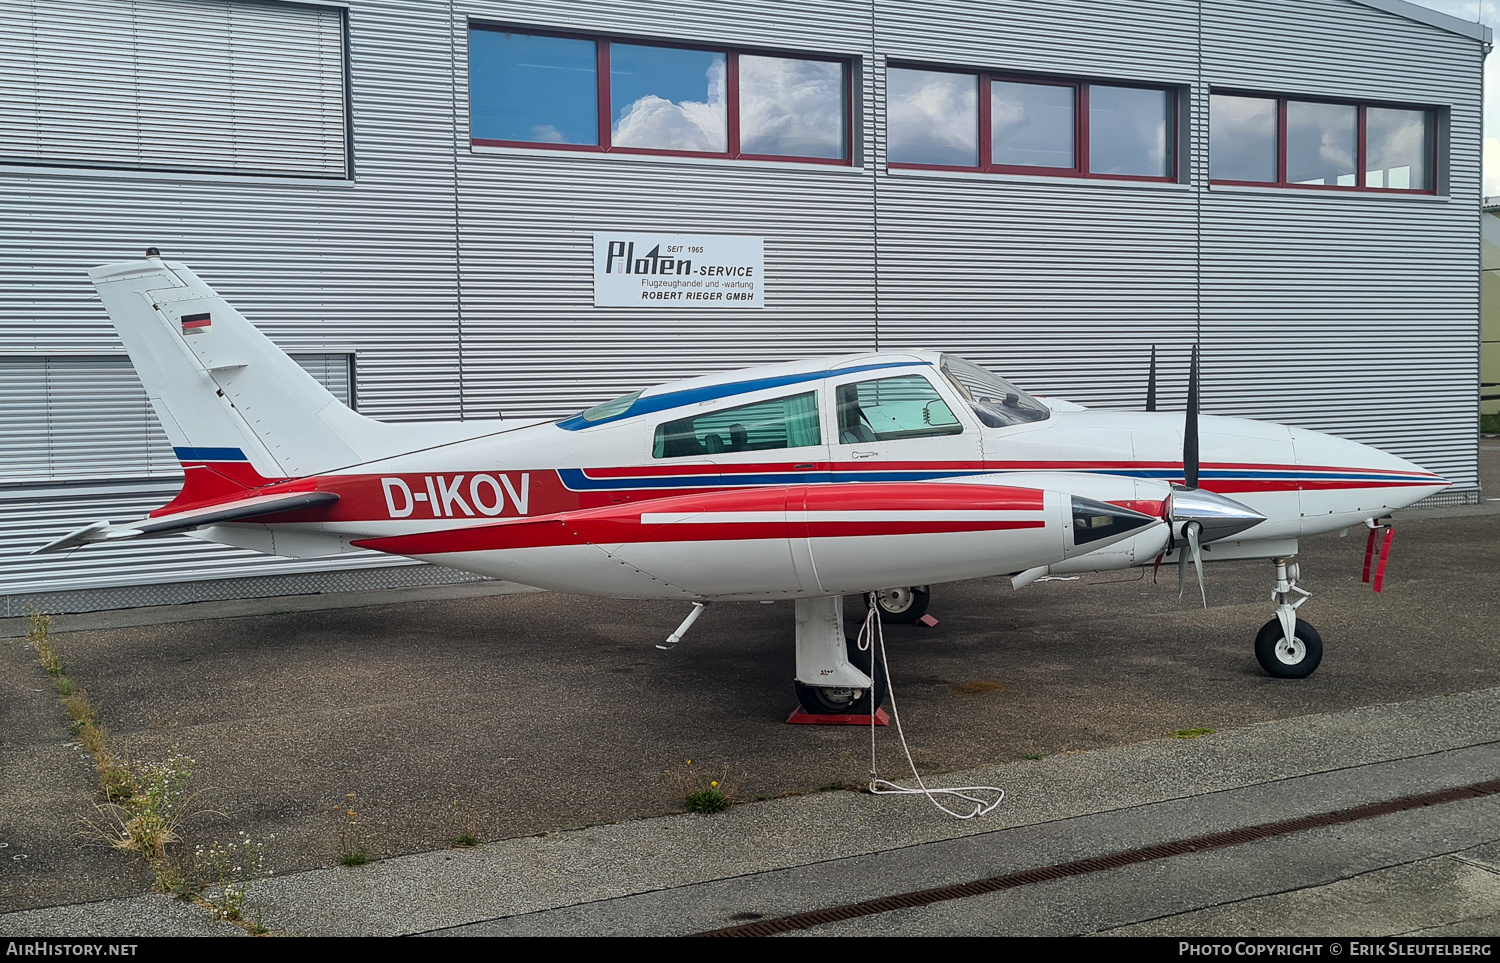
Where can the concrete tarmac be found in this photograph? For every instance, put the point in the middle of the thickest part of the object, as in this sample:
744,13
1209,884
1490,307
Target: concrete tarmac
547,727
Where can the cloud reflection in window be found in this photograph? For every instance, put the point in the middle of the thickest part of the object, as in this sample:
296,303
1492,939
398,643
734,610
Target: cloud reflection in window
791,108
933,118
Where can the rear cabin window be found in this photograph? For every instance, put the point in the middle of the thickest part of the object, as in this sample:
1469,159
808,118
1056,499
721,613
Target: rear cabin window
887,409
790,422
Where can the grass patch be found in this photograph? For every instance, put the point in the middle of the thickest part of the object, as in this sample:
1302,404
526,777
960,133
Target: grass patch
117,782
703,794
145,822
1192,733
1490,424
145,803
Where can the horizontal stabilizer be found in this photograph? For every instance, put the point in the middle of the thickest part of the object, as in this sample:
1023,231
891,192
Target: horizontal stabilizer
187,521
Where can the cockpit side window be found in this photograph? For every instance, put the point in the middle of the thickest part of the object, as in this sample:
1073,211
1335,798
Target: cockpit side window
790,422
892,408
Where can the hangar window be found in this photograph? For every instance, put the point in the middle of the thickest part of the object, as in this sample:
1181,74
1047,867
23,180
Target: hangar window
80,417
592,94
992,122
228,86
790,422
1281,141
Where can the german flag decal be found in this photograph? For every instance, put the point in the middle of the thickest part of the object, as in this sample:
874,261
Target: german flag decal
196,323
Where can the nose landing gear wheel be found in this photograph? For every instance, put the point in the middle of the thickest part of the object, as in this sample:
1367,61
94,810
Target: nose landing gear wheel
1294,658
903,606
820,700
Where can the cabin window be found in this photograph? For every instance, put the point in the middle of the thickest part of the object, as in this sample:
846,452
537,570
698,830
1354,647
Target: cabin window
790,422
893,408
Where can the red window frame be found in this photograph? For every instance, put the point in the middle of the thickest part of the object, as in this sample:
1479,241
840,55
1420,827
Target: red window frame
1081,157
731,98
1361,145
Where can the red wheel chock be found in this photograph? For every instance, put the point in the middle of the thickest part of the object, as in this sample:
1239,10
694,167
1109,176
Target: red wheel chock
801,718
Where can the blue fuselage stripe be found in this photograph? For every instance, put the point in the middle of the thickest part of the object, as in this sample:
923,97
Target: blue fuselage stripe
578,480
209,454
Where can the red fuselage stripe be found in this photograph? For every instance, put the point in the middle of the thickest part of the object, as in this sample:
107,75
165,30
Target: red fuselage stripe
565,531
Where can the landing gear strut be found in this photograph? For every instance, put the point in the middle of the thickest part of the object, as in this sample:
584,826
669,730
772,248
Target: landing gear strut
1286,646
833,675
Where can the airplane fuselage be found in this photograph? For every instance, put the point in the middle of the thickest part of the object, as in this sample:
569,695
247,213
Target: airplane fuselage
807,481
569,505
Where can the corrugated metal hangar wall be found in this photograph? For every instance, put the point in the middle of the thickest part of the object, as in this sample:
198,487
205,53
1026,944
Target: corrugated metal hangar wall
315,164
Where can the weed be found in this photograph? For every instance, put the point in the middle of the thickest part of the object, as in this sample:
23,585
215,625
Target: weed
1033,756
229,869
356,836
116,781
1192,733
144,804
39,634
78,707
709,800
1490,424
145,821
702,795
466,821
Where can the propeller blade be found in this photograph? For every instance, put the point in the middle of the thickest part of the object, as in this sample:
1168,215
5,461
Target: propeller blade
1190,428
1151,383
1192,536
1182,564
1192,550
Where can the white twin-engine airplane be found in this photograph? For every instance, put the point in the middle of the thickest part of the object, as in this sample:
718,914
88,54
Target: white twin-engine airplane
808,481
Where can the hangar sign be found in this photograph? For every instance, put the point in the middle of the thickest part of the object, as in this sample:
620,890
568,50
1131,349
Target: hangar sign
678,271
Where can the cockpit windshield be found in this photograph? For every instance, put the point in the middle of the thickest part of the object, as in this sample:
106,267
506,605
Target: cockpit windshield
997,402
610,408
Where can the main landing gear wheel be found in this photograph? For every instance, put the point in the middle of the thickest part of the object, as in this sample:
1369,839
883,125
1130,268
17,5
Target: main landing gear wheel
903,606
821,700
1295,658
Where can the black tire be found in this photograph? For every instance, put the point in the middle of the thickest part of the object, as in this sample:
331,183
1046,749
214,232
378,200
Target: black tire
820,700
903,606
1295,661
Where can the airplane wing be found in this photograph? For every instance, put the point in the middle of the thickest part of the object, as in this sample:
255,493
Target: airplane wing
187,521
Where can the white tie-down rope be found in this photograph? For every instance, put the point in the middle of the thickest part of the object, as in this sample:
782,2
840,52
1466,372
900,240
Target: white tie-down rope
869,633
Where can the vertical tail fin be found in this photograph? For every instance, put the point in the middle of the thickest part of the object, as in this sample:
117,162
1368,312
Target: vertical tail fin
225,394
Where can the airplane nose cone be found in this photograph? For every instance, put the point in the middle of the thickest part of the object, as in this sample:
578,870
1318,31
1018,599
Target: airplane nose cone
1338,476
1317,450
1220,517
